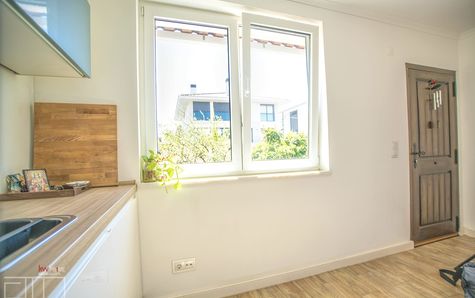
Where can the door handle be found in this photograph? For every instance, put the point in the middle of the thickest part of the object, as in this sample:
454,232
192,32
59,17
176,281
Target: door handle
418,154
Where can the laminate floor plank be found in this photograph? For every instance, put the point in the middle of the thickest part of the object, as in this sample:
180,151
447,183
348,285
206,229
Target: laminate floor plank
413,273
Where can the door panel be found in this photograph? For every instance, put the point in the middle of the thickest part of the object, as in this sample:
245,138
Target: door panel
435,198
434,124
433,142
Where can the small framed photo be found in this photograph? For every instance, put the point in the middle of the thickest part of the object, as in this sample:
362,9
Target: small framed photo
36,180
16,183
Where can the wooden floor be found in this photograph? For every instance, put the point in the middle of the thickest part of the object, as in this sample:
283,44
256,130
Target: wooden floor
409,274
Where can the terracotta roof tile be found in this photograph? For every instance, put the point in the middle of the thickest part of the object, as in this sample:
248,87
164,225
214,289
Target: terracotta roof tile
219,35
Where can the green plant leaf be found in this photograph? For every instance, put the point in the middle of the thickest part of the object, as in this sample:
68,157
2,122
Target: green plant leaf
178,186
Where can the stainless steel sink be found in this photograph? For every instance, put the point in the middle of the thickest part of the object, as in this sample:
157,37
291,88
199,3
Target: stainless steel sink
19,237
8,226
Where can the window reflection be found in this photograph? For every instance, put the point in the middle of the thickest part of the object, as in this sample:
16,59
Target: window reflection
37,10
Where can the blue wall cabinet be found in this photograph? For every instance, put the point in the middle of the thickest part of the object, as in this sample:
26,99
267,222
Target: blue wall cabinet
46,37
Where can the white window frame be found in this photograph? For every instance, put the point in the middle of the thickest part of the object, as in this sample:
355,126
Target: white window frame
242,163
172,13
311,163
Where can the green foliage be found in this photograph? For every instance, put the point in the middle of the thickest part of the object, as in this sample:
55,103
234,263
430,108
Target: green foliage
161,168
192,144
277,145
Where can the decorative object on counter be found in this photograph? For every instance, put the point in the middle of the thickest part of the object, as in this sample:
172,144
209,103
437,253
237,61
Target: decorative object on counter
75,184
36,186
161,169
56,187
76,142
36,180
54,192
16,183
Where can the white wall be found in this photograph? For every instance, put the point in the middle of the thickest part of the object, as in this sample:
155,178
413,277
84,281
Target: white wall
16,98
248,228
466,95
114,76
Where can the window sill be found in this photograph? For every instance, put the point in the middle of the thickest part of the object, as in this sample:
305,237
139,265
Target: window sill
244,177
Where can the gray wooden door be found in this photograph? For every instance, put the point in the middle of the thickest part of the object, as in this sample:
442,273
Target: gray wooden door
433,152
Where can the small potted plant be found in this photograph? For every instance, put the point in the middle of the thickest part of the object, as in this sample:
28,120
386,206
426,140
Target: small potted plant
160,168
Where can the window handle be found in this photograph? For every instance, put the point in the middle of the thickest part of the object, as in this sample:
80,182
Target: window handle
247,87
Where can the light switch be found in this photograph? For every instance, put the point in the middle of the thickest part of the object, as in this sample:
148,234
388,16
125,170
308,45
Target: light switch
395,149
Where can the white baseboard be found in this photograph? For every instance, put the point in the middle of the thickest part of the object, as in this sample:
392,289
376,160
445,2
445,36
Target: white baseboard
281,277
468,232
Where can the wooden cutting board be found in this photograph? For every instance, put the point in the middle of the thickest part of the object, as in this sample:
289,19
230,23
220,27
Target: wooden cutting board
76,142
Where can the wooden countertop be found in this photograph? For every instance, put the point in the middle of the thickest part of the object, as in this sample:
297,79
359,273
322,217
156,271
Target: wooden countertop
94,209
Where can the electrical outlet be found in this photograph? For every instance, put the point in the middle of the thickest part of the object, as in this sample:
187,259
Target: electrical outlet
183,265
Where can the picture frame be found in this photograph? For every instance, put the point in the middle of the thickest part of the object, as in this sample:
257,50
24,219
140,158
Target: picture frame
15,183
36,180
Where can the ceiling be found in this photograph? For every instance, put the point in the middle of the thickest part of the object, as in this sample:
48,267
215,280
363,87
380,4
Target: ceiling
444,17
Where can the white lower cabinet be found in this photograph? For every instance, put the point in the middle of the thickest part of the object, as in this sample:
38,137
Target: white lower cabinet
111,267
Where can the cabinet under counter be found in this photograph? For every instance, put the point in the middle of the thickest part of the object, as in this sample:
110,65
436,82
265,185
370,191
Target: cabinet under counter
50,266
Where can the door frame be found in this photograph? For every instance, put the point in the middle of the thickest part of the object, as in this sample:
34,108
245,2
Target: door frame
410,66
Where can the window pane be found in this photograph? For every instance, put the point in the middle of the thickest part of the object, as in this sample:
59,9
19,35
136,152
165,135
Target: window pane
221,111
267,112
294,121
192,87
279,92
263,117
201,110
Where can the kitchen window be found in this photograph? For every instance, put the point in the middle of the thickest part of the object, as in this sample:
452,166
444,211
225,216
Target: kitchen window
218,89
